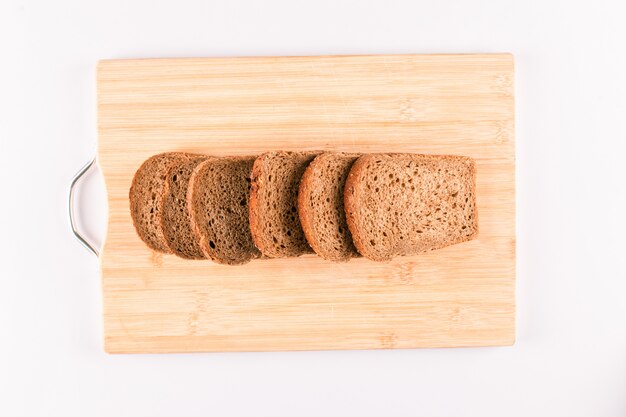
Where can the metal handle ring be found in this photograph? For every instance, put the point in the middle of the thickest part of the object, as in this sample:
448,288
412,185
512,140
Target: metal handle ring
75,230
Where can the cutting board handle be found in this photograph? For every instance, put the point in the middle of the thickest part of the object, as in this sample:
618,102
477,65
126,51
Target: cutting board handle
81,238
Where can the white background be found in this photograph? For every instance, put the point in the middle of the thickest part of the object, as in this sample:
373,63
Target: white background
570,356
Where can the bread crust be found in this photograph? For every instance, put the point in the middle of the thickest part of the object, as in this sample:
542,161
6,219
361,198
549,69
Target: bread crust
193,251
191,193
354,196
141,202
194,206
308,213
350,197
256,182
305,211
259,177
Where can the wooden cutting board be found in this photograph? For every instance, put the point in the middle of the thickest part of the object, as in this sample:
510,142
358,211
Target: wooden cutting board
462,295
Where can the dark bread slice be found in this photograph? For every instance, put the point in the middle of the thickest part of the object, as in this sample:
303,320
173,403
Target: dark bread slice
404,204
274,220
218,199
320,206
146,197
175,220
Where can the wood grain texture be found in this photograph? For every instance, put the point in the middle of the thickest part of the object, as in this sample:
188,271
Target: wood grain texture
463,295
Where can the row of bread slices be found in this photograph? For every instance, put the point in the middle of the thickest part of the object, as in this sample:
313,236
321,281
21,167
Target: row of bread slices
285,204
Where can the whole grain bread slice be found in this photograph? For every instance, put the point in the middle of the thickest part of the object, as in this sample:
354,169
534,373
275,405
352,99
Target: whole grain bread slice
274,220
180,237
146,197
218,199
405,204
321,207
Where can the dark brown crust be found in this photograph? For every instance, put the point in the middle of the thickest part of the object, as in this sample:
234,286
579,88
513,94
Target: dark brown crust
137,204
257,237
192,218
349,203
306,211
257,177
477,228
196,253
352,197
202,238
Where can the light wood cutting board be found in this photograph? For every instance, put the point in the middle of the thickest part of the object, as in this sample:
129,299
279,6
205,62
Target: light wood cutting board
463,295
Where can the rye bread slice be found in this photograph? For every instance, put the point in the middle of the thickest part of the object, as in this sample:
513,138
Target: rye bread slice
146,197
218,200
180,238
320,206
274,220
405,204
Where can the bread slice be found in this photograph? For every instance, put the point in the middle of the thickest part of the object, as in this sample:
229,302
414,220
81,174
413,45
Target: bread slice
404,204
146,197
176,221
320,206
218,199
274,221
